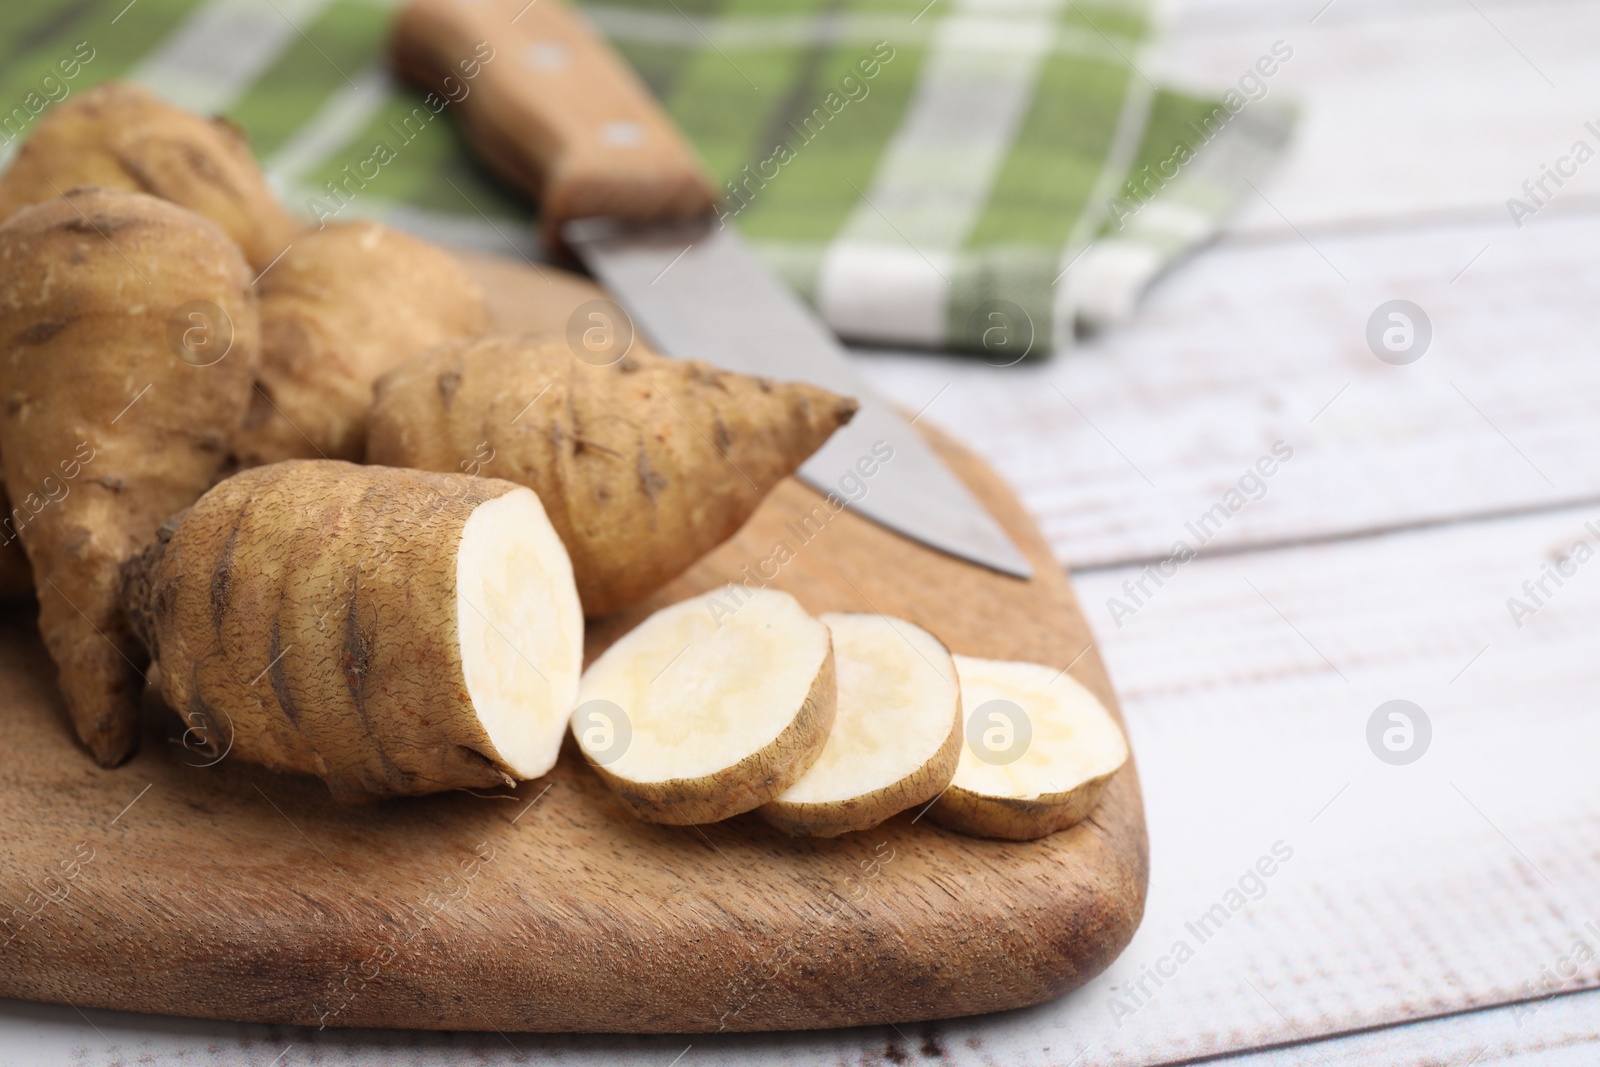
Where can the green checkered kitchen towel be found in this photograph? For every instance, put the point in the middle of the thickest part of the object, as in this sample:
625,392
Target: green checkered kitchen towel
950,174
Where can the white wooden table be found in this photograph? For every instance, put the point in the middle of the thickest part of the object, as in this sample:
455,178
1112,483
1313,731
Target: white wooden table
1430,910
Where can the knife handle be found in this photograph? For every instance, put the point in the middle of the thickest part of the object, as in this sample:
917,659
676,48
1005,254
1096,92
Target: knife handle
551,109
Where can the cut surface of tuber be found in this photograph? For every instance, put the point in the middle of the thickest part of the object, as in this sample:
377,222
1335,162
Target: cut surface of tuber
516,608
1038,750
712,706
896,735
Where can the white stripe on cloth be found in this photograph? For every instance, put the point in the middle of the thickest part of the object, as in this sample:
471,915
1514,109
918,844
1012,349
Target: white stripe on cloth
219,51
885,277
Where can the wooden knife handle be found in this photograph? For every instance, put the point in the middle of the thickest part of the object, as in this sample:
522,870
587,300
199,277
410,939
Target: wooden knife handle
552,109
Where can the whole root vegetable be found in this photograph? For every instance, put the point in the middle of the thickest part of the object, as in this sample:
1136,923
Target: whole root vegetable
128,341
344,305
124,137
644,465
393,632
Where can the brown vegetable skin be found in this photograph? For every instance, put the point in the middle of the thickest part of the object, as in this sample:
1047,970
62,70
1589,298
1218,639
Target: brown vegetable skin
124,137
1013,818
644,466
105,430
344,305
273,610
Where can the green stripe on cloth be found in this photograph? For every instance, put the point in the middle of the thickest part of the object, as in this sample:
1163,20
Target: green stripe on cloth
1057,156
36,41
808,162
339,43
994,271
724,104
1006,160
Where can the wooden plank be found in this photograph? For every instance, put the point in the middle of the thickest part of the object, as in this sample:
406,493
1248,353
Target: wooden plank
1408,111
1562,1032
1439,886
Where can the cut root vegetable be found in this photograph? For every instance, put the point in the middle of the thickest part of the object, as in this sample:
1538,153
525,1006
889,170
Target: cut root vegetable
392,632
896,737
1039,749
700,713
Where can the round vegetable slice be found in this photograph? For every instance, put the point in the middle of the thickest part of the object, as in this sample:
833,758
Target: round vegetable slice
710,707
1039,749
896,737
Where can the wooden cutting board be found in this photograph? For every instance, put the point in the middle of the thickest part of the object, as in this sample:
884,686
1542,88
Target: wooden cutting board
228,892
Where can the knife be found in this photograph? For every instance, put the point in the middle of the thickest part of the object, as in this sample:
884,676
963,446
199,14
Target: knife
555,112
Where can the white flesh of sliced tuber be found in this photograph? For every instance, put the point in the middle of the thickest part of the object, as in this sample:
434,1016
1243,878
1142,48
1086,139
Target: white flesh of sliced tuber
708,711
1039,749
896,736
521,629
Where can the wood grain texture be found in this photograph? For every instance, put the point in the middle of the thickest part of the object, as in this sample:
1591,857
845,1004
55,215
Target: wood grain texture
1479,117
1451,884
229,892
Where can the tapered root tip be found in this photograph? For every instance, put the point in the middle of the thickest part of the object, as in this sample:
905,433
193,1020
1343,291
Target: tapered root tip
102,686
114,749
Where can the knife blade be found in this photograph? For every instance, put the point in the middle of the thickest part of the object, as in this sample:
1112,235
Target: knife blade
754,324
548,105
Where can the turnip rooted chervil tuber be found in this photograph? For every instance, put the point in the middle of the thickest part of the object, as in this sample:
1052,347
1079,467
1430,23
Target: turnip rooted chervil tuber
121,136
128,342
391,631
644,465
722,713
344,305
1040,749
